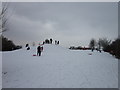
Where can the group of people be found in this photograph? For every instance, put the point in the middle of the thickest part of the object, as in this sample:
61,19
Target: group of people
56,42
47,41
40,47
98,49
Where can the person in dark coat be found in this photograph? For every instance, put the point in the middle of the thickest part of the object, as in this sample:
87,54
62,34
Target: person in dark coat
43,42
92,49
38,51
28,48
58,42
26,45
51,40
55,42
47,41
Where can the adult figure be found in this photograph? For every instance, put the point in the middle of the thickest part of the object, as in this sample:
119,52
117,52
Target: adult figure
51,40
39,50
58,42
55,42
92,49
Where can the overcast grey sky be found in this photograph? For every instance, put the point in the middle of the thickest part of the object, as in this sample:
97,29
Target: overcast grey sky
72,23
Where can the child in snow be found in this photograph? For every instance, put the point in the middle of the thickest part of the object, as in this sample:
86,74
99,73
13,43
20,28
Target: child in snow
28,48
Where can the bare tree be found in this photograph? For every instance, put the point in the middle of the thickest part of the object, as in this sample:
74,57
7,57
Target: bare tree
3,17
92,43
3,21
104,42
99,43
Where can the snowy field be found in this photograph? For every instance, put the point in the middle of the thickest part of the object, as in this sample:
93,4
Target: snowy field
0,70
59,67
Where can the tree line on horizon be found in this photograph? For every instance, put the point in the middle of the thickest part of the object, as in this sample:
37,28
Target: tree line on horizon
112,47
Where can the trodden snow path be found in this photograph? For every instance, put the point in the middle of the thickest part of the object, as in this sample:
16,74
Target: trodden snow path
59,68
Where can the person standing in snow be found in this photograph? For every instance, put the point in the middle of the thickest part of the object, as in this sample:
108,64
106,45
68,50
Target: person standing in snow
58,42
92,49
39,50
51,40
55,42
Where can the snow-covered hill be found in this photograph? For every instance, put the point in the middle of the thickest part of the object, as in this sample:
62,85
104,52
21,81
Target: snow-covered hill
59,68
0,70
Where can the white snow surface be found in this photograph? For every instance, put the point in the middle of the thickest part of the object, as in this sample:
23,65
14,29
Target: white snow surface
0,70
59,67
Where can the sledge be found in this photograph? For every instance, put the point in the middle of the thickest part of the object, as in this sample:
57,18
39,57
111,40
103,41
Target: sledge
34,55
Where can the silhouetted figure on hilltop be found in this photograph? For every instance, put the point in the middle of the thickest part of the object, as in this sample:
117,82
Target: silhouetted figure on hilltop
51,40
55,42
58,42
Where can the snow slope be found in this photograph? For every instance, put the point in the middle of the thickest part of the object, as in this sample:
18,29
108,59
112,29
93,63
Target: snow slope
0,70
59,68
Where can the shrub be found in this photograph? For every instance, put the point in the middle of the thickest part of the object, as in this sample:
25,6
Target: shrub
8,45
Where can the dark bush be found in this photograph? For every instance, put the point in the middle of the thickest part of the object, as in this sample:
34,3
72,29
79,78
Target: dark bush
8,45
115,48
